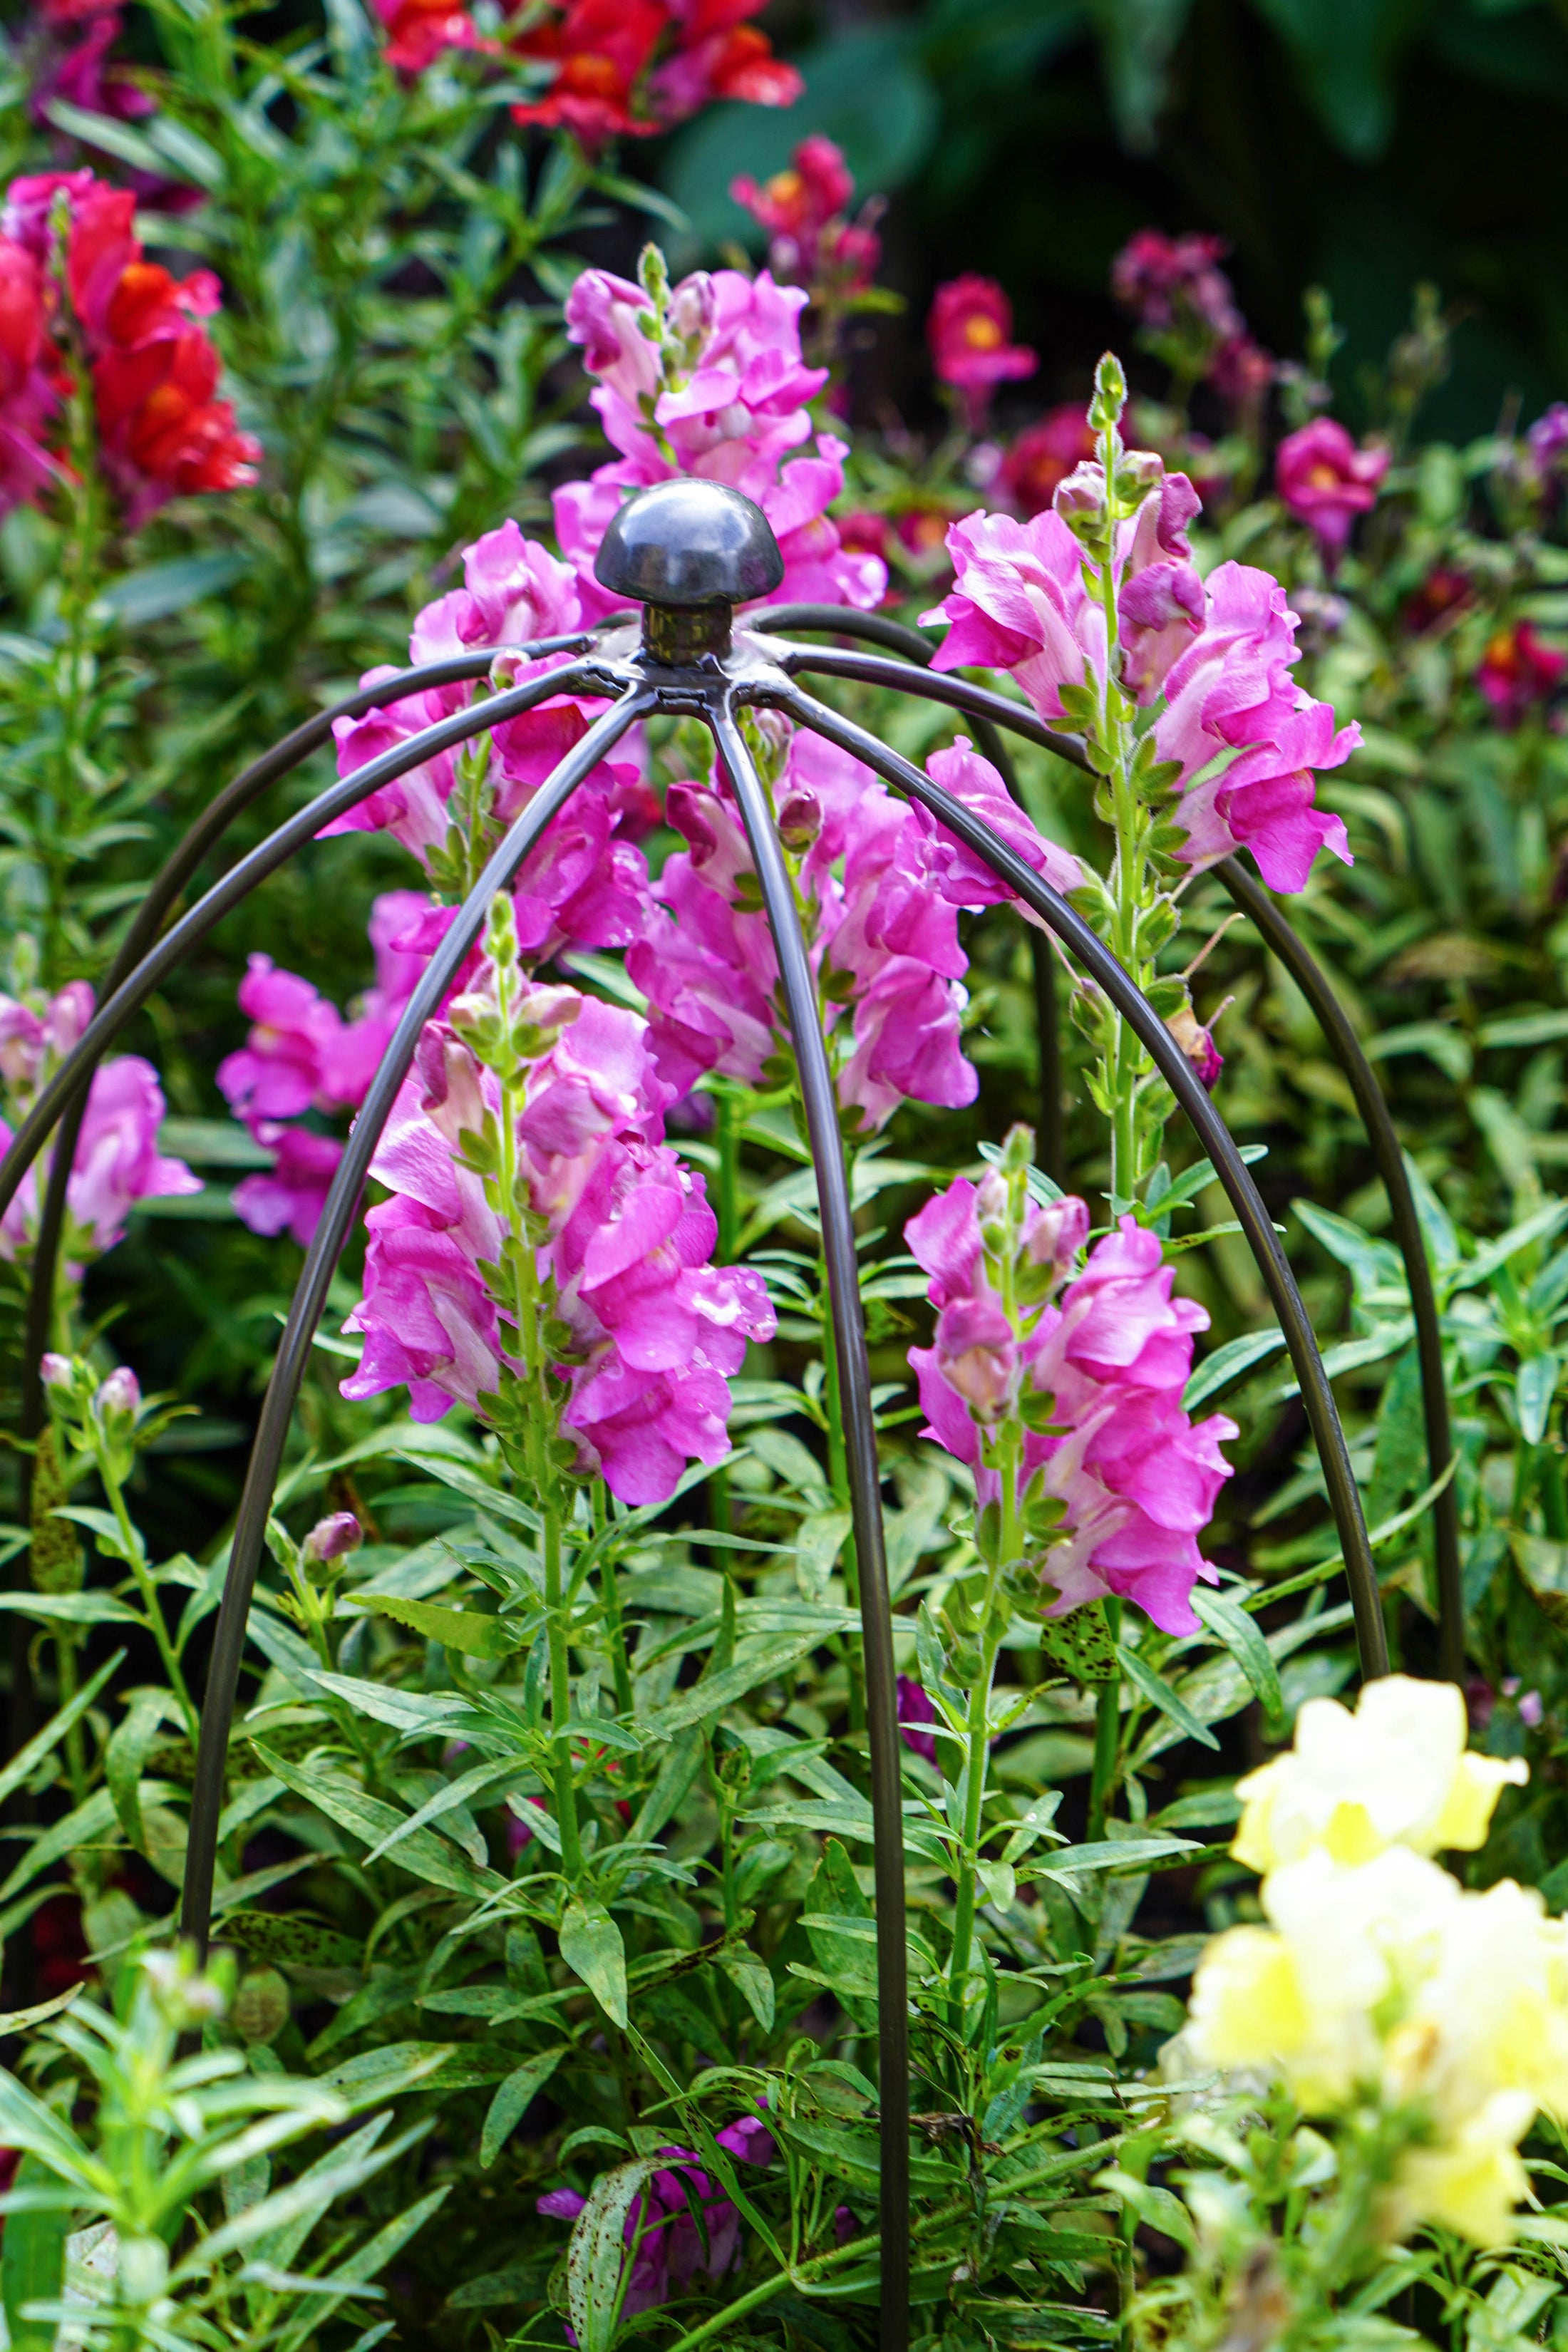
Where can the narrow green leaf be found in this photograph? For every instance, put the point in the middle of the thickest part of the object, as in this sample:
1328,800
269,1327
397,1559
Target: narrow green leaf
467,1630
1159,1693
592,1948
512,2101
597,2251
27,1759
33,2261
1242,1637
127,1752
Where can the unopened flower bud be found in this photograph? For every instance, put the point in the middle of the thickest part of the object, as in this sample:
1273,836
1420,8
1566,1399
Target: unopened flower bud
142,2271
56,1372
978,1354
800,821
452,1100
1080,500
1140,470
120,1394
331,1538
1057,1233
186,1998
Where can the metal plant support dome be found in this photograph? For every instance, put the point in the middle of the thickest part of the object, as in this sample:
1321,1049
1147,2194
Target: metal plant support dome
689,552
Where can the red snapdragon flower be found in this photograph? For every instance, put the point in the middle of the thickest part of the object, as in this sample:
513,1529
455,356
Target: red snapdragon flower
1518,671
154,371
607,83
1444,592
1325,480
600,50
1176,282
968,329
719,54
418,30
1045,454
29,372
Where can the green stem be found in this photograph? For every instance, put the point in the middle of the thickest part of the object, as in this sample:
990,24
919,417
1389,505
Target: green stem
727,1137
136,1557
1107,1745
620,1663
838,1480
75,1754
974,1813
536,1430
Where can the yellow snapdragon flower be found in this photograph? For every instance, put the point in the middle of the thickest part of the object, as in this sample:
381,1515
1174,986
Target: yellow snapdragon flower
1394,1773
1470,2180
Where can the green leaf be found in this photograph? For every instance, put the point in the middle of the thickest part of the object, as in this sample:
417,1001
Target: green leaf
1244,1639
127,1752
592,1948
1227,1364
27,1759
512,2100
753,1979
467,1630
597,2248
151,594
95,1608
820,1540
720,1691
82,1826
1533,1392
33,2261
1155,1688
400,2066
423,1851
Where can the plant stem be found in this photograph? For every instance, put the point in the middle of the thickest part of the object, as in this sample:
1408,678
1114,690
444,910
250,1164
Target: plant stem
1106,1742
137,1561
537,1423
76,1755
620,1663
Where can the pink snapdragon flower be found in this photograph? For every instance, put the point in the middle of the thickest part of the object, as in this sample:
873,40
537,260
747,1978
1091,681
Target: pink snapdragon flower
1232,692
916,1709
289,1196
968,331
670,2255
1325,480
723,395
116,1161
1136,1479
655,1332
1018,602
1044,455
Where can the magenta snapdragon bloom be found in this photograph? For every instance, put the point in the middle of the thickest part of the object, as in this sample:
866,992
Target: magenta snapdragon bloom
1325,480
655,1332
1136,1478
288,1197
672,2252
733,409
969,331
1232,691
883,882
1019,602
116,1161
514,593
916,1709
1519,671
1173,281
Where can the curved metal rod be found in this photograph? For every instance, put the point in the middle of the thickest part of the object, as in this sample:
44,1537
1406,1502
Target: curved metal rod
1315,985
821,1104
311,1298
978,702
243,877
879,630
163,890
842,621
1184,1084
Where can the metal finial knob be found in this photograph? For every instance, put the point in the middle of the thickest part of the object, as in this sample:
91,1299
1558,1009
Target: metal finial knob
689,542
689,552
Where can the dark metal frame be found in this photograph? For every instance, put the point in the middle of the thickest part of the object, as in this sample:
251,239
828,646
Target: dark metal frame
760,670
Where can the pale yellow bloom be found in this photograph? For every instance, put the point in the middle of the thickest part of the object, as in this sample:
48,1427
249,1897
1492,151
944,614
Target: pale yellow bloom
1394,1773
1492,2014
1471,2180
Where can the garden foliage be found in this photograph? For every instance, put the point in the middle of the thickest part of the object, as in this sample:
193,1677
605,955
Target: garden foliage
541,2007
